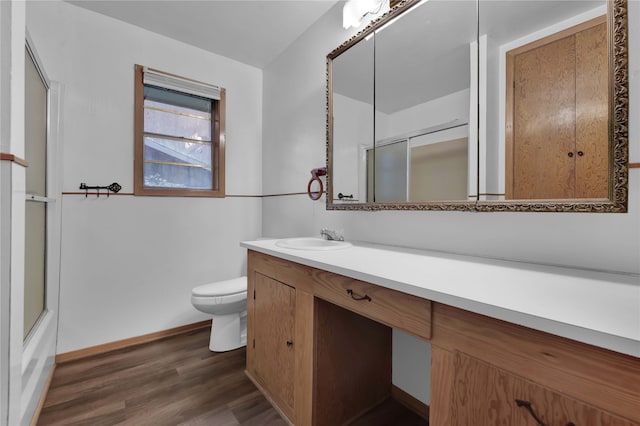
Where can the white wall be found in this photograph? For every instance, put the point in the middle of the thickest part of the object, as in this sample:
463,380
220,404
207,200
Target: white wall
294,142
129,263
454,106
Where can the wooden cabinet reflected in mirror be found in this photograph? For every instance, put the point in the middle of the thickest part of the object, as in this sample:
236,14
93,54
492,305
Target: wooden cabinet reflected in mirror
557,115
554,115
538,92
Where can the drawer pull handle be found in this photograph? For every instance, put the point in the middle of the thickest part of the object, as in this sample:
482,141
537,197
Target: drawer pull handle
354,297
289,343
527,405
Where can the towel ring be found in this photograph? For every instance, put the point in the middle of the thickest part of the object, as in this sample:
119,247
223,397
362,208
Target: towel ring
315,177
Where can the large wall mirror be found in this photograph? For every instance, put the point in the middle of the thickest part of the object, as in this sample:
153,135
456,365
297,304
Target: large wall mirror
490,105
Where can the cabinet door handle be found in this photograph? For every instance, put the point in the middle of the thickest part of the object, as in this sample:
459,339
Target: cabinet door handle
580,153
289,343
570,154
354,297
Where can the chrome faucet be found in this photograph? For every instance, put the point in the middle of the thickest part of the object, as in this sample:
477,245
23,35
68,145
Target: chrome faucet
332,235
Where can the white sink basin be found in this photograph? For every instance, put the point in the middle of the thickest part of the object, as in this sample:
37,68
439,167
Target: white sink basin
311,243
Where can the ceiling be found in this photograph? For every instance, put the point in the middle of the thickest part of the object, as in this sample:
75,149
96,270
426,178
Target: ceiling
254,32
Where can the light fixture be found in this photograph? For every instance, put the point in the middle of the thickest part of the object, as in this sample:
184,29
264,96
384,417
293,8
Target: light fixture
389,23
355,10
413,8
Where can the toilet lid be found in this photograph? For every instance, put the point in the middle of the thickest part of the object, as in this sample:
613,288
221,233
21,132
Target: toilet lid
222,288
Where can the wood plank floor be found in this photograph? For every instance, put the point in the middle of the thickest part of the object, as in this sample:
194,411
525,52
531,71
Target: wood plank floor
173,381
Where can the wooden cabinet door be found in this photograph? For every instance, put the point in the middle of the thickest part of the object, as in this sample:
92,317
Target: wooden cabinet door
273,354
557,139
544,121
480,394
592,113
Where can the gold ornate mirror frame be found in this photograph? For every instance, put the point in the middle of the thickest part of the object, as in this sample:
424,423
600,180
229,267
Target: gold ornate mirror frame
618,133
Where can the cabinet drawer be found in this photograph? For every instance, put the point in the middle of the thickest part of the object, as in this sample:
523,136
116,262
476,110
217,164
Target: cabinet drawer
403,311
484,394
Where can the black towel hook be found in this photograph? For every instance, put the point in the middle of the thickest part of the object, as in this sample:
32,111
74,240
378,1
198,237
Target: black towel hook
115,187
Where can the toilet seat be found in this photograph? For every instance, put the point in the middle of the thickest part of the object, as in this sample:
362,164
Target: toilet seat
220,289
228,299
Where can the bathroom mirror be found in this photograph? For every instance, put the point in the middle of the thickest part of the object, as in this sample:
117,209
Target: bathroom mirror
439,109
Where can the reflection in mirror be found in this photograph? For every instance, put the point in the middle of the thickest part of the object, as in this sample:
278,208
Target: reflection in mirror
424,98
352,120
404,127
544,84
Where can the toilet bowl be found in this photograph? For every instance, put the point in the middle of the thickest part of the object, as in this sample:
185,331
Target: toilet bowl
226,302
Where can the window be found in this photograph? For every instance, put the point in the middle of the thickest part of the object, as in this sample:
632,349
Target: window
179,136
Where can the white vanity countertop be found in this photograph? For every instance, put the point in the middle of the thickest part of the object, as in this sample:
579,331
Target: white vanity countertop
599,308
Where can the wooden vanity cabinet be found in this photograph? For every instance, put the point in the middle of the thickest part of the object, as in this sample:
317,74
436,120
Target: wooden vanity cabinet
322,356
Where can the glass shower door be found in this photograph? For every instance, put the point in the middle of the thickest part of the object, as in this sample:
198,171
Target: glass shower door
36,200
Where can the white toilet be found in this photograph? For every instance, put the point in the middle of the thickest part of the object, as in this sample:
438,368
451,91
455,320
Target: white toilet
226,301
